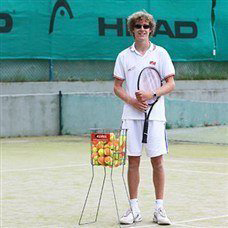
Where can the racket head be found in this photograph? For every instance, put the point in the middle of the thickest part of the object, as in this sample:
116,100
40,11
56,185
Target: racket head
149,80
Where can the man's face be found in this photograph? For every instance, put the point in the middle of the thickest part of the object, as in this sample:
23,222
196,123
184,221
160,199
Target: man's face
142,30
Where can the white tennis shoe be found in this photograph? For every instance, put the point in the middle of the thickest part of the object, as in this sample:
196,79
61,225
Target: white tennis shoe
128,217
160,217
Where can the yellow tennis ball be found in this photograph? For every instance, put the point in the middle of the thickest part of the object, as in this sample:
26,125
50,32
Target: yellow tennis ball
94,149
101,152
112,136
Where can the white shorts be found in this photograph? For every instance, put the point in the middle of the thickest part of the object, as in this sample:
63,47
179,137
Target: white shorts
156,142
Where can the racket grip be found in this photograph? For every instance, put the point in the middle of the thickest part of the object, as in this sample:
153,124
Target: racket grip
145,131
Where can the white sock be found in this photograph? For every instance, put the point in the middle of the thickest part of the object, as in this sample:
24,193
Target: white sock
134,205
159,203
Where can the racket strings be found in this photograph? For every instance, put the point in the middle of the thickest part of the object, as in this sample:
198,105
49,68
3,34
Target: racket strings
149,82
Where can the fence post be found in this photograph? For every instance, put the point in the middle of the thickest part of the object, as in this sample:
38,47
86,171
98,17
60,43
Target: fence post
51,70
60,113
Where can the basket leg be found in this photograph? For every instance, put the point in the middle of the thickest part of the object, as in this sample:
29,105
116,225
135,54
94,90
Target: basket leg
102,188
114,195
87,196
86,199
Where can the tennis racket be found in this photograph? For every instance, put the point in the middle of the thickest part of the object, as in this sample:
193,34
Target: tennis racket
149,80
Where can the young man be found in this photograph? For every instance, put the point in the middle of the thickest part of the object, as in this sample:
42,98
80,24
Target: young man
129,64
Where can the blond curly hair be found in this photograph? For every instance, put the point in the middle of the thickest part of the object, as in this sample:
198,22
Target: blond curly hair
140,15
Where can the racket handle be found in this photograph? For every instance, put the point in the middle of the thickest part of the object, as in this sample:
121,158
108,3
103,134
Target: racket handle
145,131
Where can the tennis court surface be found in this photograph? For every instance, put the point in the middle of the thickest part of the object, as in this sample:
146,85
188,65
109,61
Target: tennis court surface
44,181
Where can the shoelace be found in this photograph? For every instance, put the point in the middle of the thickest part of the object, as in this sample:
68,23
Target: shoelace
162,212
130,212
127,212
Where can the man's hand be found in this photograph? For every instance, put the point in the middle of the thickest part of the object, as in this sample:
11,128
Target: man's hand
139,105
143,96
121,93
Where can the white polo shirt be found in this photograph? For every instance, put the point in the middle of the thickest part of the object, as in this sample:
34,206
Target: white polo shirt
129,64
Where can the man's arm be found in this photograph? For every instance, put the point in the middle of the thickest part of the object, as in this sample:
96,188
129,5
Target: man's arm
165,89
121,93
168,87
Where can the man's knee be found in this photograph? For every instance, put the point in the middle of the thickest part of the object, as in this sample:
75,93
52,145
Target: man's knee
133,162
157,163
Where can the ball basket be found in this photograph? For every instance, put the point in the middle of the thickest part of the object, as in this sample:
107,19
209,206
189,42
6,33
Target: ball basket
108,150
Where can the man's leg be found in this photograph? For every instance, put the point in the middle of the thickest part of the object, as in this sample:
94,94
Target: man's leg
134,148
133,176
133,182
158,176
160,216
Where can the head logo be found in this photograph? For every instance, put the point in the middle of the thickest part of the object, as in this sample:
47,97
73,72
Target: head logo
7,25
58,4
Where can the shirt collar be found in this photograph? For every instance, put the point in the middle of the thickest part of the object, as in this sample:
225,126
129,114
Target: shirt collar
151,48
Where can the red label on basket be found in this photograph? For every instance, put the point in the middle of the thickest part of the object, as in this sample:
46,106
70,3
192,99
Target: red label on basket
100,137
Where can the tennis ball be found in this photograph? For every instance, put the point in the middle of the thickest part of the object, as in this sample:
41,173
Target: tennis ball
108,160
101,160
121,155
96,158
122,140
111,153
107,151
116,163
123,146
94,149
116,143
95,162
101,152
94,142
116,156
100,145
94,155
112,147
112,136
120,150
106,146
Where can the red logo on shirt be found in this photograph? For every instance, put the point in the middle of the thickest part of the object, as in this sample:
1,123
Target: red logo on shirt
152,62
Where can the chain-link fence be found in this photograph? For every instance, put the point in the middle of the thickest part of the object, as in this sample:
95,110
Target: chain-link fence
24,70
61,70
201,70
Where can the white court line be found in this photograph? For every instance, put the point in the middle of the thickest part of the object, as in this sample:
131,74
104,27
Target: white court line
194,171
197,162
187,161
152,225
184,225
190,171
202,219
43,168
88,164
81,165
155,224
186,221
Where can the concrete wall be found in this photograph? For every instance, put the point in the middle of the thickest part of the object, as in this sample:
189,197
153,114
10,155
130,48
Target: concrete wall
30,115
186,113
80,112
33,108
99,110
